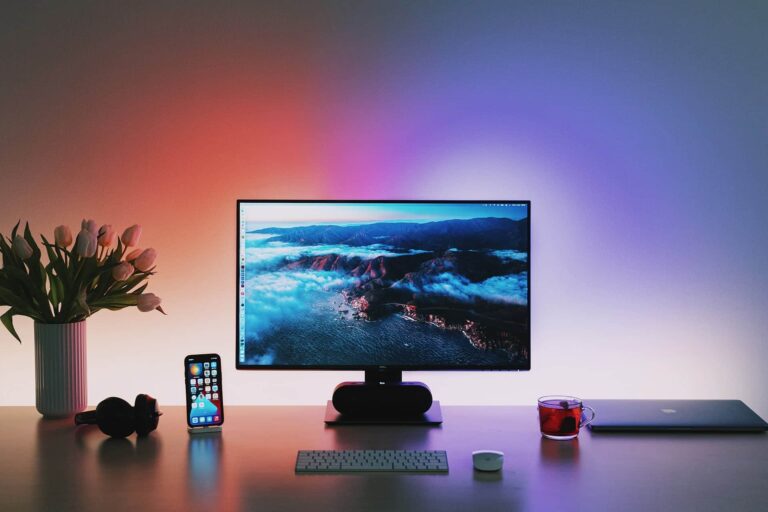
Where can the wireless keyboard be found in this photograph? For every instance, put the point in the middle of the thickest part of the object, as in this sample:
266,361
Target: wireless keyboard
399,461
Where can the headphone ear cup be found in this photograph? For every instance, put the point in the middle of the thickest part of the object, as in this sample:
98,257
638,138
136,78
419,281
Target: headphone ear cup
146,414
116,417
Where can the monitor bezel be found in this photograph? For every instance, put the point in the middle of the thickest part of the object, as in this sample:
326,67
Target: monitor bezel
418,367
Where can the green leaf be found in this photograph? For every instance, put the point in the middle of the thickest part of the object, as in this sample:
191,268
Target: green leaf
82,303
20,304
7,320
31,241
15,230
7,297
19,281
122,301
9,257
54,291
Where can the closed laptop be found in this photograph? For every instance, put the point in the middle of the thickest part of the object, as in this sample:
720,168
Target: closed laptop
674,415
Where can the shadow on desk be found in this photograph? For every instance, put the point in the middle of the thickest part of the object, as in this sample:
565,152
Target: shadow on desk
410,437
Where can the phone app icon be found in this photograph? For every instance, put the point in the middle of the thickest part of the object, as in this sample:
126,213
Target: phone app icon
192,397
194,420
193,389
208,396
192,382
207,381
215,396
215,388
209,419
207,388
214,364
215,418
199,381
206,365
194,405
195,369
207,373
214,373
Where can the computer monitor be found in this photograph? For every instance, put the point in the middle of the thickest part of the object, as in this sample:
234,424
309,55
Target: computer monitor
383,286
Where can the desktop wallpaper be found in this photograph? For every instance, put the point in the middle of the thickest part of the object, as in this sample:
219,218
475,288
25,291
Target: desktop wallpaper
368,284
636,129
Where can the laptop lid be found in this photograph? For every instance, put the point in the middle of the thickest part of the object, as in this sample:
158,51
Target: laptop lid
674,415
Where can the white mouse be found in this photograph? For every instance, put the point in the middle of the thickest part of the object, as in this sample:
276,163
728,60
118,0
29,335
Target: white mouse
487,460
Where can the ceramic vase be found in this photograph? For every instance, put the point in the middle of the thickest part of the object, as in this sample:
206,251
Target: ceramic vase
61,387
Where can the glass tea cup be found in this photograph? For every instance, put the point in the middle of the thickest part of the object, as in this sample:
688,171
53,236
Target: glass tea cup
561,416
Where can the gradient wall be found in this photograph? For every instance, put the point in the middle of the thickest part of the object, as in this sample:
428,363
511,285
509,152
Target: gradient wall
637,129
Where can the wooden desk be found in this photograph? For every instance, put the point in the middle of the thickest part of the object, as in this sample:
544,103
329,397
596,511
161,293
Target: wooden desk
52,466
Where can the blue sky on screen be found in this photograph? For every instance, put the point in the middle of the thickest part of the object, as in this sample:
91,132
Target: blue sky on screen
260,215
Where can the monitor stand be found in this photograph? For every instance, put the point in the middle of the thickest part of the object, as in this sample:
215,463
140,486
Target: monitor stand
383,399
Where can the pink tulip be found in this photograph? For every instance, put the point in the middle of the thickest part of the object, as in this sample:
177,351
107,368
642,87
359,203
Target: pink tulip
145,261
21,247
63,236
90,225
131,236
133,254
106,235
122,271
86,243
147,302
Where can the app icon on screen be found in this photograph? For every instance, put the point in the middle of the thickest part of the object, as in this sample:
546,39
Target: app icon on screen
195,369
194,420
214,364
206,365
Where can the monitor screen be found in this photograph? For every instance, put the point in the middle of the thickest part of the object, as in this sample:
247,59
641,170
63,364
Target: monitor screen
383,284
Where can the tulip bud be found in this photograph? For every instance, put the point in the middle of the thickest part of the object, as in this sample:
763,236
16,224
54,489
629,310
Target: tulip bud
63,236
133,254
21,247
145,261
122,271
86,242
106,235
147,302
90,225
131,236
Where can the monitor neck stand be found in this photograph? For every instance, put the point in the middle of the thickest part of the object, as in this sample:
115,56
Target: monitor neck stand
383,399
383,376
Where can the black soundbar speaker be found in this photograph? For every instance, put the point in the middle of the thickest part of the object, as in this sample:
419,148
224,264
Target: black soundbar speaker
399,399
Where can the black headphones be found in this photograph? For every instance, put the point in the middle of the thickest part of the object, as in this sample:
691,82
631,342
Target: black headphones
116,418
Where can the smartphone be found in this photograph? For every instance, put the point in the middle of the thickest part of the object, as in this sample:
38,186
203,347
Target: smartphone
205,399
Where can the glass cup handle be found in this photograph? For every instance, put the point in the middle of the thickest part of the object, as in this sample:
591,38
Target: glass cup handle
591,418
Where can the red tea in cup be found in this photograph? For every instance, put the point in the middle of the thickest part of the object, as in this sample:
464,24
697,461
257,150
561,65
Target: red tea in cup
561,417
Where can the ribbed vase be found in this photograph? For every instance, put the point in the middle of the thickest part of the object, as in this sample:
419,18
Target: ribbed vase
61,384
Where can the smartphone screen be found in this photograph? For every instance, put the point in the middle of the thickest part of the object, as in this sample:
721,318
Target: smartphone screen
205,400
